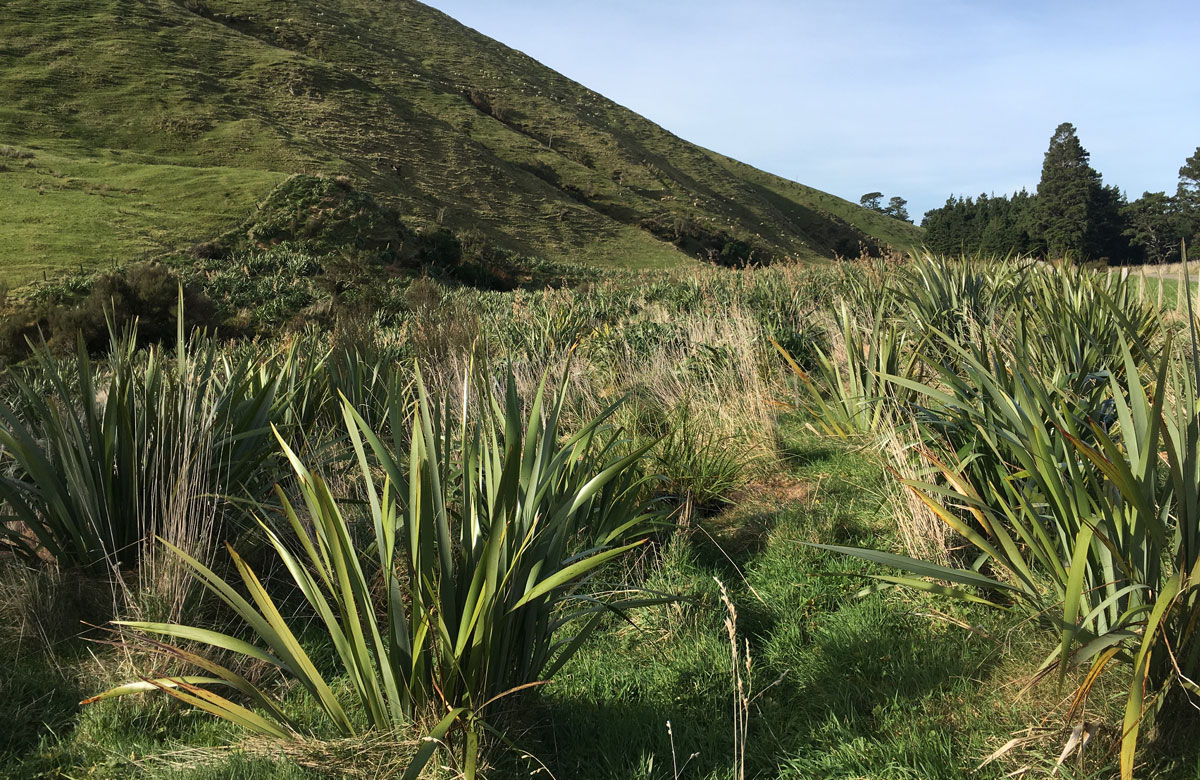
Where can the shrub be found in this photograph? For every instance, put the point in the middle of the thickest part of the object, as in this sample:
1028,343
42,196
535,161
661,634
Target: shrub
864,375
735,254
19,327
479,557
1079,495
92,468
209,250
323,216
696,238
700,467
144,298
15,153
480,100
439,249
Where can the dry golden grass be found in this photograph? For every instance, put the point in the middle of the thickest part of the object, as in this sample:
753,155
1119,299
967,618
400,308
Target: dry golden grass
921,532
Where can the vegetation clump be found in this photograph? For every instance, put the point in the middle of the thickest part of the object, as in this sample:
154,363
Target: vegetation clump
1059,422
146,298
320,216
715,246
415,533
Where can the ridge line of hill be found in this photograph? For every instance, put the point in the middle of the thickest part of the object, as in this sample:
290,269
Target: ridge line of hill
444,125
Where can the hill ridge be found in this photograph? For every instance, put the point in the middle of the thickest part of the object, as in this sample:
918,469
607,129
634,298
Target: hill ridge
443,123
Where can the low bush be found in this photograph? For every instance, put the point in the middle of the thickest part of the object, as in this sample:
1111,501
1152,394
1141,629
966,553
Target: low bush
437,249
145,299
484,539
856,387
94,464
700,468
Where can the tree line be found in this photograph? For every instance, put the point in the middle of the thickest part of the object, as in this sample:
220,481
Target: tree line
1073,213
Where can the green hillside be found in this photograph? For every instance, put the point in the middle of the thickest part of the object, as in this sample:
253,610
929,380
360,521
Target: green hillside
134,126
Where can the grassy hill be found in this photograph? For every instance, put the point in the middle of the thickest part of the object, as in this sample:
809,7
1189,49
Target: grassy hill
136,126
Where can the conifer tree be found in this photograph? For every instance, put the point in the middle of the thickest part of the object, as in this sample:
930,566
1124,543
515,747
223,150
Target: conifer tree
1076,213
1106,225
871,201
1189,180
1187,199
1066,195
991,225
897,208
1153,227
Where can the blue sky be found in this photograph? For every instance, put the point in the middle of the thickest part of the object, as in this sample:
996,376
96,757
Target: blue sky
919,99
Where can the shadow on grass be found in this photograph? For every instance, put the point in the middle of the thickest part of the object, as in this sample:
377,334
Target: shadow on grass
805,457
802,449
870,676
726,543
45,621
39,699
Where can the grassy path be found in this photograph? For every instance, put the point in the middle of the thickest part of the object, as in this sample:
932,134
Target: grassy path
841,686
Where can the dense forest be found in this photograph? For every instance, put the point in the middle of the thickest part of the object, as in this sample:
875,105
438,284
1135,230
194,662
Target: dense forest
1072,213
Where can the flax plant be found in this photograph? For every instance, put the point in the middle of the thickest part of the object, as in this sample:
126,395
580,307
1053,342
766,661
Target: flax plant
948,295
848,393
476,581
87,450
1071,320
1084,496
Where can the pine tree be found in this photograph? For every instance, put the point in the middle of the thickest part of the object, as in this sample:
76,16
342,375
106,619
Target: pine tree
1106,226
1187,198
991,225
1189,179
1023,207
1154,227
897,208
871,201
1067,195
945,227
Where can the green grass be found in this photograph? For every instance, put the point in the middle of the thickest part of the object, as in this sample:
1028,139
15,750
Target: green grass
867,687
237,92
1170,290
88,212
